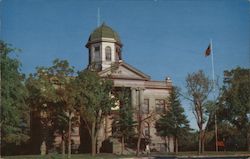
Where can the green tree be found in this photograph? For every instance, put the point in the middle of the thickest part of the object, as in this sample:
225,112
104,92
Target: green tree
198,88
14,111
95,102
173,123
42,103
52,93
123,125
63,80
235,101
61,124
189,142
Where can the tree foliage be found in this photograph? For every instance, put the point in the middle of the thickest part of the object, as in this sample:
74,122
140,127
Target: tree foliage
235,101
198,88
123,125
52,98
173,123
14,111
95,101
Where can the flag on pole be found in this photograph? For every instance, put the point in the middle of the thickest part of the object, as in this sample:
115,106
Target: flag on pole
208,50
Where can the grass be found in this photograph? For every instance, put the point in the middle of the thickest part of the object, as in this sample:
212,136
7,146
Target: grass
209,153
58,156
112,156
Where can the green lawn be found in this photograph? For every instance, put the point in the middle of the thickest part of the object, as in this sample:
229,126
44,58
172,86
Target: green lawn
111,156
210,153
73,156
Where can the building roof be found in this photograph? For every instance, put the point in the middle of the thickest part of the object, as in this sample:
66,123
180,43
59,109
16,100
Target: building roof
104,31
124,71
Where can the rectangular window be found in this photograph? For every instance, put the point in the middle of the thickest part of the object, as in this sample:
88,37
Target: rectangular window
146,132
97,48
97,53
160,105
167,106
145,109
108,53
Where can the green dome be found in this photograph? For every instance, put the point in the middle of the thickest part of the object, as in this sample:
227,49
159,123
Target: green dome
104,31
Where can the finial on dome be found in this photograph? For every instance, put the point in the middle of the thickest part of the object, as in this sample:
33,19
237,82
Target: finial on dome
104,24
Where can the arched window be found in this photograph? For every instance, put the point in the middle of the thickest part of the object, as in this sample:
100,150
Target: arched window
108,53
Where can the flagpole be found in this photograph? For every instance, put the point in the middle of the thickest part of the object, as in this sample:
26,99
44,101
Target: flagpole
212,58
98,17
213,85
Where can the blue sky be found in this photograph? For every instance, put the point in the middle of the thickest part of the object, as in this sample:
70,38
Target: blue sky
160,37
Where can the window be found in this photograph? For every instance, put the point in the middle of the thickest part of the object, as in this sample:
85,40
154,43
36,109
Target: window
160,105
97,53
108,53
167,106
147,130
97,48
145,108
118,53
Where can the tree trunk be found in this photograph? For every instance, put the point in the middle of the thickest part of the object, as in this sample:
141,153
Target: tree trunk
93,140
200,143
98,146
97,128
139,140
63,145
165,142
93,146
138,145
176,145
248,144
69,137
1,139
123,145
203,142
247,140
168,144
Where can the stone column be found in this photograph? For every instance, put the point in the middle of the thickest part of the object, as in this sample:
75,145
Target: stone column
133,97
141,98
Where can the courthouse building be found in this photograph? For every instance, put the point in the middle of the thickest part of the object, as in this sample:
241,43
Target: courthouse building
104,50
148,97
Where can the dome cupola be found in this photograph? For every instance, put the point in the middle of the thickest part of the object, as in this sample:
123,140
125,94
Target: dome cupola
104,46
104,33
